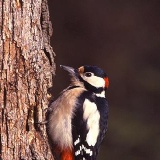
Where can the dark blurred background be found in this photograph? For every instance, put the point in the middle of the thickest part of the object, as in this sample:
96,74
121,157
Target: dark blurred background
123,38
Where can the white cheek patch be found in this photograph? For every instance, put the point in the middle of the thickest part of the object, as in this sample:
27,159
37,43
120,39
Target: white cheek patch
91,114
94,81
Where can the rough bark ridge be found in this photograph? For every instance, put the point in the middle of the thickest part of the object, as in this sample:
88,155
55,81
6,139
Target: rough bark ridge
26,71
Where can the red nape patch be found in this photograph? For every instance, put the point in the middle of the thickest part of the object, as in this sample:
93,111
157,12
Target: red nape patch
106,82
67,154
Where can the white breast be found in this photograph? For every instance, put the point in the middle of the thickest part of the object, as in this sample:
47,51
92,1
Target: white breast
59,127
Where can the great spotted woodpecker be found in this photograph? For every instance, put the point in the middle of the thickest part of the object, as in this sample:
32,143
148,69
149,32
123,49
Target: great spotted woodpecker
78,119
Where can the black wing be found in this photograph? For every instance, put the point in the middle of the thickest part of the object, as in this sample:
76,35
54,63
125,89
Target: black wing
104,110
82,149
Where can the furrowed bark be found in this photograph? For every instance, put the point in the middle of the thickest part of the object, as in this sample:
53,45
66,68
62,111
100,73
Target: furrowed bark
27,68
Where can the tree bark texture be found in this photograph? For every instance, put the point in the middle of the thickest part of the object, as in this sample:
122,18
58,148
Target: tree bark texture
26,71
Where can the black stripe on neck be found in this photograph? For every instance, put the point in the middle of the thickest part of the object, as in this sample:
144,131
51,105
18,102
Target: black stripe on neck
72,87
91,88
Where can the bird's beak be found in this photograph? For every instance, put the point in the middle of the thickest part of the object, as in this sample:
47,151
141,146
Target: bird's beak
70,70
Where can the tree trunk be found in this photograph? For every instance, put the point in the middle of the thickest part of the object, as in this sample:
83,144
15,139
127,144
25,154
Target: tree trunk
26,71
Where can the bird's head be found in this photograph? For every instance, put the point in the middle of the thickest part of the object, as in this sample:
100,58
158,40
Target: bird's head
92,78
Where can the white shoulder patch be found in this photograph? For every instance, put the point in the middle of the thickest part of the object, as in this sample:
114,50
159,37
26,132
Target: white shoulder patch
91,114
102,94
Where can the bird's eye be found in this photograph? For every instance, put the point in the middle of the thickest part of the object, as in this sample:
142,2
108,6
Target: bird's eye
88,74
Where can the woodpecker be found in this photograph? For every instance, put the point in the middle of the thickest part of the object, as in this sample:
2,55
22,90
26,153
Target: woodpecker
78,118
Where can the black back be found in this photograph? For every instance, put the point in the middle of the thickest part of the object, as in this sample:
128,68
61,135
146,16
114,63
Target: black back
80,130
